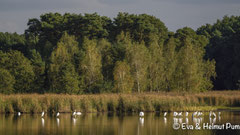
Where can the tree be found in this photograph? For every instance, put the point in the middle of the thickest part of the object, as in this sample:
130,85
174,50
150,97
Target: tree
39,71
138,58
7,82
91,66
62,74
140,27
105,49
223,47
123,81
20,68
188,77
13,41
156,65
170,61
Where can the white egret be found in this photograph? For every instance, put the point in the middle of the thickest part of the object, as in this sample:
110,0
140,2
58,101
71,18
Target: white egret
186,114
57,114
42,114
175,114
141,114
180,114
78,113
194,114
19,113
74,113
214,114
165,114
199,114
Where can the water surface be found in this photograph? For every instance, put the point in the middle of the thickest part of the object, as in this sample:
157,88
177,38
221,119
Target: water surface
116,124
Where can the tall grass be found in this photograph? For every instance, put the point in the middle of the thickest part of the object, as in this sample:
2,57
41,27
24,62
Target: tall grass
35,103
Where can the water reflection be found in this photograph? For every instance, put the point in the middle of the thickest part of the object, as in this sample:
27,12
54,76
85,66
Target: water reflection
43,122
165,120
186,120
212,120
141,121
74,121
58,121
180,120
111,124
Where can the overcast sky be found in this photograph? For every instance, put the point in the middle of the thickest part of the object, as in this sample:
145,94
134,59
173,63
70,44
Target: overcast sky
176,14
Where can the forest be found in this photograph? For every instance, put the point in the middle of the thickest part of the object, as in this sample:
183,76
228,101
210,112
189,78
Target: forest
89,53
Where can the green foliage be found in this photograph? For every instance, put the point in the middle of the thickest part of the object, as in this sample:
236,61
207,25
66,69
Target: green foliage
13,41
187,73
170,63
156,65
91,66
62,73
20,68
140,27
7,82
224,49
106,49
193,72
77,54
122,78
39,71
138,58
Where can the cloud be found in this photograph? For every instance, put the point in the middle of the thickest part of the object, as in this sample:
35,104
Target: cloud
31,5
174,13
206,2
118,2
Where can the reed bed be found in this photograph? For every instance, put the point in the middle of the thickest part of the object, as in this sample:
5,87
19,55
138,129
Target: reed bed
154,102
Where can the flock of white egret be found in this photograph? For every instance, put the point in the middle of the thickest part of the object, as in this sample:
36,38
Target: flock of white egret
141,114
74,114
57,114
197,116
180,114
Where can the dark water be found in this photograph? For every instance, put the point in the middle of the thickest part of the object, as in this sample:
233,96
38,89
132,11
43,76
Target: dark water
116,124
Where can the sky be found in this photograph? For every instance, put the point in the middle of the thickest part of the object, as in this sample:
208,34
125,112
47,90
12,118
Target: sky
176,14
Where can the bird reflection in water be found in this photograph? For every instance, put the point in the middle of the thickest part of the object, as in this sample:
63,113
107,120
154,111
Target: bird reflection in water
43,122
58,121
186,120
141,121
165,120
175,120
212,120
74,121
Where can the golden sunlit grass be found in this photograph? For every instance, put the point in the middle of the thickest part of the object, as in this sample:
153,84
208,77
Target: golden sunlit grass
34,103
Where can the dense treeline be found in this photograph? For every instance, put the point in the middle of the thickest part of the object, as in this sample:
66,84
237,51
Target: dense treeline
224,48
89,53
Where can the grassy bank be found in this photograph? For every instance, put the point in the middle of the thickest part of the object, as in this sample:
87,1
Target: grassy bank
34,103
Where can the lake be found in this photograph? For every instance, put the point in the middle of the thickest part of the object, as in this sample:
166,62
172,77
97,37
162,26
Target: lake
119,124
